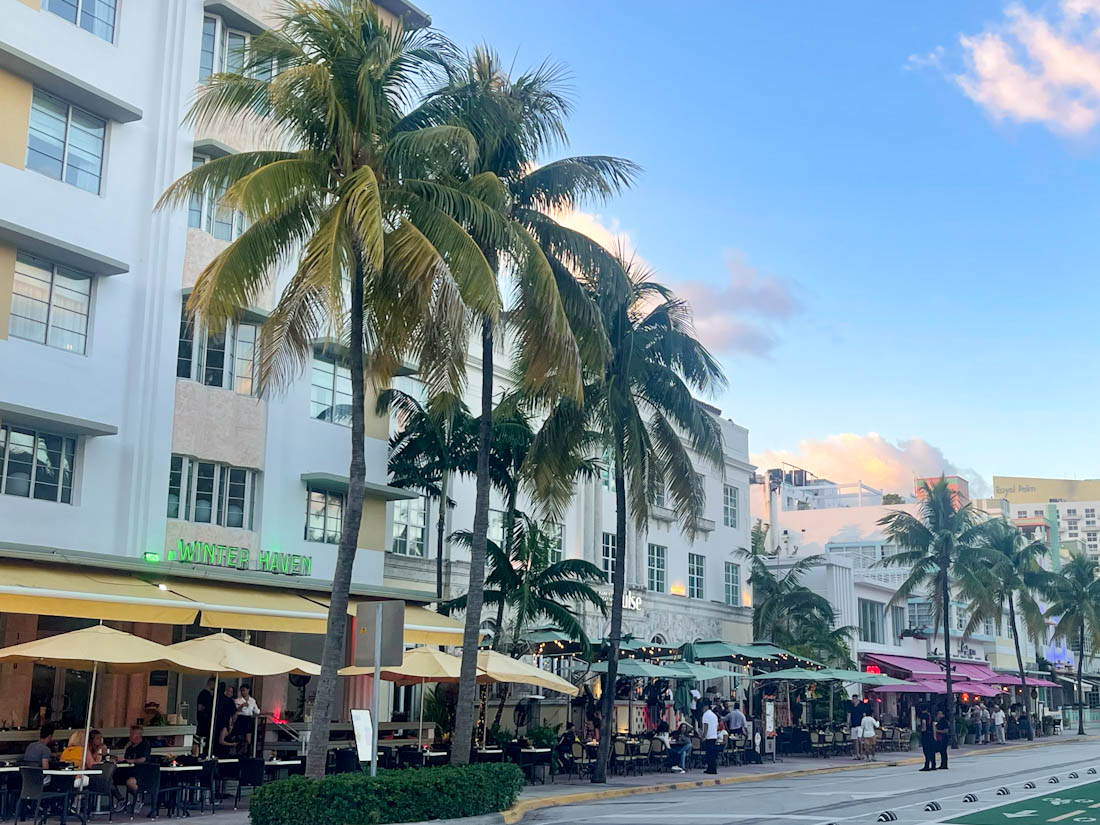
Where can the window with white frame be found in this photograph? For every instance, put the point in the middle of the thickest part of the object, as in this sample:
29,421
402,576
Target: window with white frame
962,616
920,615
50,304
1021,514
555,535
608,554
207,212
324,515
65,142
660,498
697,567
223,49
330,391
495,531
987,627
1072,511
224,359
657,567
729,505
897,621
410,527
606,463
95,16
36,464
208,492
1038,513
872,621
733,584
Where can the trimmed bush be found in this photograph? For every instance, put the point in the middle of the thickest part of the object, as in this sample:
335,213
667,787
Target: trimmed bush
411,795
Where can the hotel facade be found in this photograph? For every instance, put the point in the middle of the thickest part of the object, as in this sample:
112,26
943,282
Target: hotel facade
142,481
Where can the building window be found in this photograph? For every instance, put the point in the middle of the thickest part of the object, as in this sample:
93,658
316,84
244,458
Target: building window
1021,514
65,142
733,584
1038,514
697,565
410,519
897,621
987,628
95,16
920,615
330,393
657,567
223,49
206,212
962,616
324,515
729,505
1090,512
210,493
50,304
659,498
606,463
610,540
555,535
225,359
871,620
1072,511
34,464
495,531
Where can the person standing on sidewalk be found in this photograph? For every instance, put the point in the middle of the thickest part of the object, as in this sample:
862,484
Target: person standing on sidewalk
986,723
710,737
999,724
943,738
855,725
928,739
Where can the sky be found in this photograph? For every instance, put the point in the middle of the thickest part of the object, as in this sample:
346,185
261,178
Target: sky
885,215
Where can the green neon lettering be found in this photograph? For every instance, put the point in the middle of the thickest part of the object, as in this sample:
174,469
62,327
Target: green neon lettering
284,563
243,554
307,565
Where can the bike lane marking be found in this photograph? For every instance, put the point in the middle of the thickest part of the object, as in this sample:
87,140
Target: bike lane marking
1062,805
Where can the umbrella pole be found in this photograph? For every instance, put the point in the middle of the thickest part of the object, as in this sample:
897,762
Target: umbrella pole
88,720
420,730
213,713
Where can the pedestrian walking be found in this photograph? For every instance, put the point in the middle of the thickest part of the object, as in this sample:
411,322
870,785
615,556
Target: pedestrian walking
943,739
999,724
928,740
855,725
710,737
867,741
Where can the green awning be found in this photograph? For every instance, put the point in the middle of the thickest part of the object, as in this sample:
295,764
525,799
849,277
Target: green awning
639,669
793,674
702,673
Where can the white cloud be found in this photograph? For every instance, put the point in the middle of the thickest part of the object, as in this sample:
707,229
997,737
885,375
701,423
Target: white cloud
1039,67
890,466
931,60
743,314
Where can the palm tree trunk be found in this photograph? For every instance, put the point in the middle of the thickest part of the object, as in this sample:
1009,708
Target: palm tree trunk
1020,665
945,595
1080,691
509,525
618,586
440,539
332,655
475,594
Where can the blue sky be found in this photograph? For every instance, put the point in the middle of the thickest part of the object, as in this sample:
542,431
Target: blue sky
915,255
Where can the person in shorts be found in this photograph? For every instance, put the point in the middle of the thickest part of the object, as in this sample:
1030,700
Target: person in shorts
855,726
867,742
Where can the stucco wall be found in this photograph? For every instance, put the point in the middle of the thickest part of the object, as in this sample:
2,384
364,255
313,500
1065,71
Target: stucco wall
219,425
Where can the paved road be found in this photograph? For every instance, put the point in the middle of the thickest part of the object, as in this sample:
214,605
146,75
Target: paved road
854,797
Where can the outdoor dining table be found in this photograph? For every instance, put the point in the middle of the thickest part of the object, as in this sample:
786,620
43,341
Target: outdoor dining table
278,765
490,755
529,763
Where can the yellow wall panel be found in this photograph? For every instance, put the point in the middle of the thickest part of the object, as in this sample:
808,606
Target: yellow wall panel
7,283
15,103
372,527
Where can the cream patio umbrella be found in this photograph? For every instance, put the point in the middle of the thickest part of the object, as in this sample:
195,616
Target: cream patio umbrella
421,665
103,648
232,657
500,668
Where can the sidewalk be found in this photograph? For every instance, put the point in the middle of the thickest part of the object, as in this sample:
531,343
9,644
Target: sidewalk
572,791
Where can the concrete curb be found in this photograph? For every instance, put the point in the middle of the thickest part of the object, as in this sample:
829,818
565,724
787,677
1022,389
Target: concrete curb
516,813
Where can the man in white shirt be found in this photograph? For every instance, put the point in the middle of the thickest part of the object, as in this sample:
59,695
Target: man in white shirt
735,721
999,724
710,737
246,709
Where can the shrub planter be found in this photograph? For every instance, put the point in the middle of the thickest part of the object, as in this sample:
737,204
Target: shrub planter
411,795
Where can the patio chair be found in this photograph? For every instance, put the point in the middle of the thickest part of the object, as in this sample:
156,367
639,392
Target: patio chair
147,776
623,762
641,758
198,787
99,788
817,743
252,775
34,790
739,744
658,755
697,758
582,763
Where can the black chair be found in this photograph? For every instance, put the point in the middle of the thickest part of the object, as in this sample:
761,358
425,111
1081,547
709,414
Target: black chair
198,786
100,787
251,775
347,761
35,790
10,783
149,788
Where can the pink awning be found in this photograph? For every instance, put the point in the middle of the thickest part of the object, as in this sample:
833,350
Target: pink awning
918,668
974,671
940,686
1013,679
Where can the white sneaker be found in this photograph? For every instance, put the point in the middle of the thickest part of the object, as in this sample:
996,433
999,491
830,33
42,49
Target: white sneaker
677,769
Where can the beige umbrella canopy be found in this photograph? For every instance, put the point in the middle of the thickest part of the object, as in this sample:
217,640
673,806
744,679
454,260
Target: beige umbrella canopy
232,657
102,647
500,668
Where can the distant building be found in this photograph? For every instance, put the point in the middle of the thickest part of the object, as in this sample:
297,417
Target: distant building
1069,507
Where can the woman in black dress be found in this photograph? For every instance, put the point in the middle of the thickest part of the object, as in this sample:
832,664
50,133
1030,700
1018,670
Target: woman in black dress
927,740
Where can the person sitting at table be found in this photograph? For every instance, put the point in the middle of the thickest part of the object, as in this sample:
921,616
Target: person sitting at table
38,753
679,747
224,743
138,752
565,746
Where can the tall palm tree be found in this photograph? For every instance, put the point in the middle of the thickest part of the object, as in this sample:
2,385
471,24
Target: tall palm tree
360,207
535,588
1075,601
937,545
554,328
1010,577
783,606
437,441
641,403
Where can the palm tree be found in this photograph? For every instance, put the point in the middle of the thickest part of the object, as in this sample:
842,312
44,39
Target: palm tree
554,327
362,211
1075,601
641,403
436,441
534,588
1010,577
937,545
783,607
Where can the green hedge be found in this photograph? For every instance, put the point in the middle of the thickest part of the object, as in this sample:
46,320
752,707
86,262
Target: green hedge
410,795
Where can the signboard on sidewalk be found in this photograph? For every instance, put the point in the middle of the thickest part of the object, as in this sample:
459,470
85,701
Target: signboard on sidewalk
364,733
391,615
